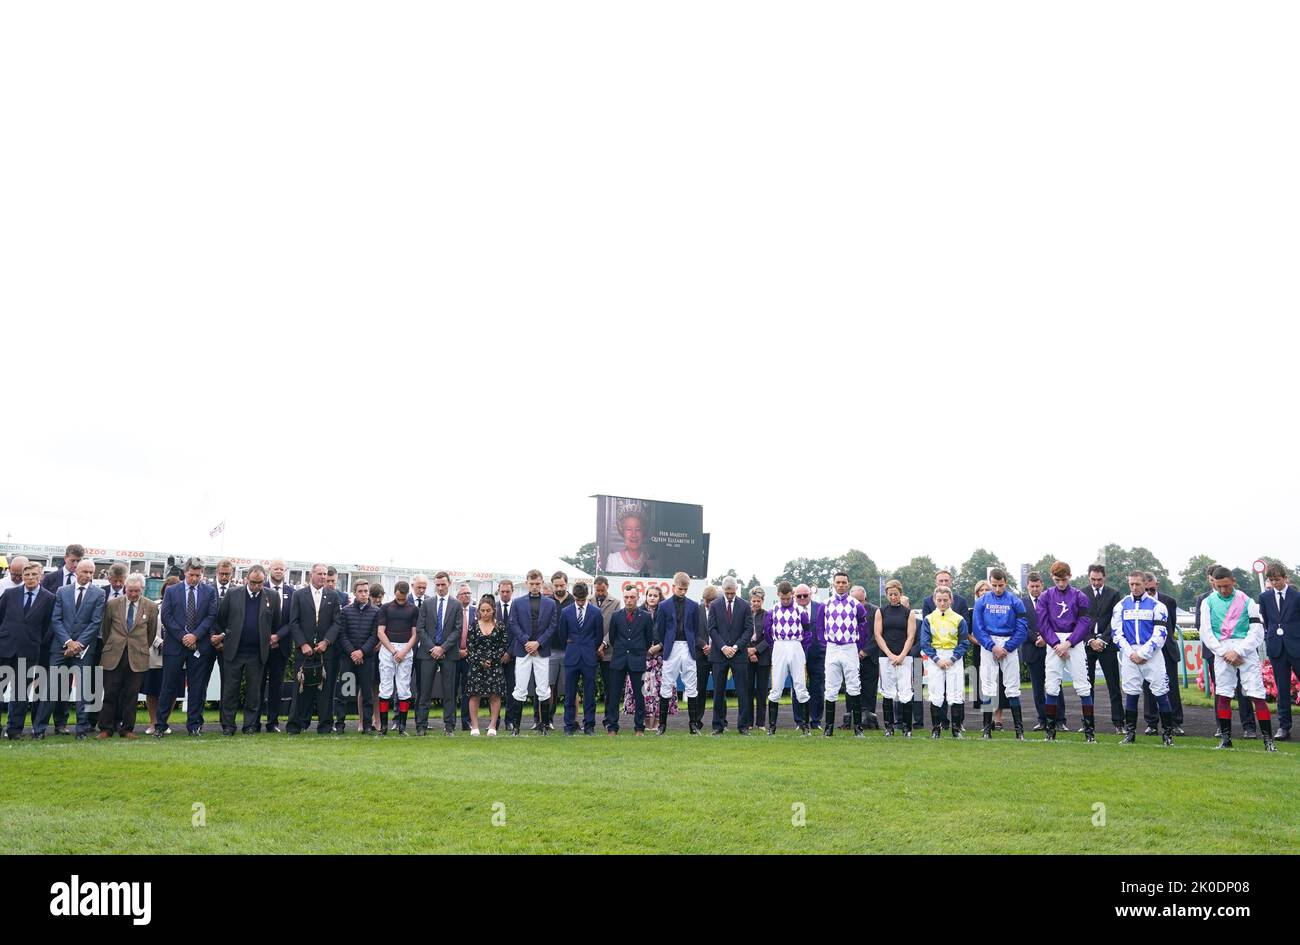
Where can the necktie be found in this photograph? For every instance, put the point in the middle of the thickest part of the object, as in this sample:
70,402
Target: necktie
191,612
221,591
1279,604
728,612
438,638
130,615
69,580
581,611
27,604
81,592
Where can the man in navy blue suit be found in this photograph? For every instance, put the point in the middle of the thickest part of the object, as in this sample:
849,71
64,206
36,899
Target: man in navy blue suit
281,650
533,619
25,616
731,629
581,630
1281,612
815,654
703,659
188,612
677,620
74,636
631,636
56,579
66,574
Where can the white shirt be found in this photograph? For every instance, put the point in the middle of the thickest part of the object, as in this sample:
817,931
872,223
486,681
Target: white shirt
315,598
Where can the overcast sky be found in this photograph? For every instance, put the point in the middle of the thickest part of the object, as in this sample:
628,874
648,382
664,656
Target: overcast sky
409,282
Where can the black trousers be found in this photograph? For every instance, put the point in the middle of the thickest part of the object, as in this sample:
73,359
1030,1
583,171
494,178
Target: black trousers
273,683
21,689
738,667
1283,667
1038,681
869,673
314,699
121,687
355,679
815,707
245,671
760,683
702,685
1109,660
614,699
1151,708
441,674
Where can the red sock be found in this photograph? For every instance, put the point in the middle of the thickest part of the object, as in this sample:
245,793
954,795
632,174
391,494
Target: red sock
383,705
1223,707
1051,707
1261,710
403,705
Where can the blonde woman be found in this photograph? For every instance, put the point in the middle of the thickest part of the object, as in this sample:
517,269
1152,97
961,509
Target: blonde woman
895,633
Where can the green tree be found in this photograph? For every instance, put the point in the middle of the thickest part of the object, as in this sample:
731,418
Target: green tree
917,578
861,569
753,583
1192,582
1119,561
815,572
731,572
584,559
976,568
1044,567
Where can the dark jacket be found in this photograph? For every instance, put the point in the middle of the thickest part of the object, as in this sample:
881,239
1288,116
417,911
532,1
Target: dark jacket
22,634
628,642
230,621
737,633
359,628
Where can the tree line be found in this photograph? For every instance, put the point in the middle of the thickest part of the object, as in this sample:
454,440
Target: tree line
917,575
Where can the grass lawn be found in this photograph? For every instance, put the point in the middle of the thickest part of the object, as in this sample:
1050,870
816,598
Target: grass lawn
353,793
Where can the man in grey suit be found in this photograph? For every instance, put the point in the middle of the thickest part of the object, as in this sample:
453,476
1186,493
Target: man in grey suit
245,621
78,615
438,654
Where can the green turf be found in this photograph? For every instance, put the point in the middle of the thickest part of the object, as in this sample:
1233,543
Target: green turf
353,793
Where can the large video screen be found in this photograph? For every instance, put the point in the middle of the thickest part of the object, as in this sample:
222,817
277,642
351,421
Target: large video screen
647,538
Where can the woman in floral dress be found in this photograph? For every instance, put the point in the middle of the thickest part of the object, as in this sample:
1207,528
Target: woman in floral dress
485,649
654,671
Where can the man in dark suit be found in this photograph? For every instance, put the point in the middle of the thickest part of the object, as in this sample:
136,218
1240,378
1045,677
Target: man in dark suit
607,605
815,654
25,616
1150,708
960,607
533,620
868,665
759,653
1033,652
67,573
75,626
703,658
1100,649
580,631
438,654
314,622
61,577
280,652
731,629
677,621
130,625
246,619
631,635
188,612
1281,612
1245,707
